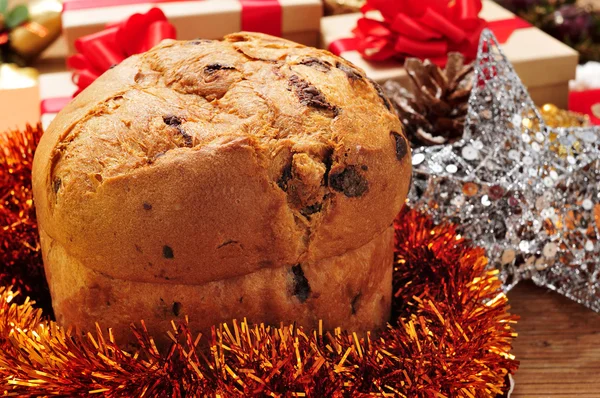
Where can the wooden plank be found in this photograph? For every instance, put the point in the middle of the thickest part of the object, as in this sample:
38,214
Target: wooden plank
558,345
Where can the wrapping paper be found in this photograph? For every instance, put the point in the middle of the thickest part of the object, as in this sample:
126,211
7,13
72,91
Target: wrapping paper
56,89
208,19
543,63
19,96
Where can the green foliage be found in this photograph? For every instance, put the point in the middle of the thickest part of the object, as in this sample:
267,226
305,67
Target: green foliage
16,16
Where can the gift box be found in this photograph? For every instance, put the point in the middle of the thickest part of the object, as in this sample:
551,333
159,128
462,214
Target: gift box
544,64
297,20
56,89
19,96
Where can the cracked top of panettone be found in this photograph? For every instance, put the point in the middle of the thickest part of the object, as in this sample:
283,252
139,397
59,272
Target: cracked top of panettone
227,155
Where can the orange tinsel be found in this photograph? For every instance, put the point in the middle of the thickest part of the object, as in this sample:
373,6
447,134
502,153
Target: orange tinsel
20,255
450,336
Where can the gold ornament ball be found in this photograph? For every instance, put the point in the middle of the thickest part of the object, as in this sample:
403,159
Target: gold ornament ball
335,7
41,30
555,117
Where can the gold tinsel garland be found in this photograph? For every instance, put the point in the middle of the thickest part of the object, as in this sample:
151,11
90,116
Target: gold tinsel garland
450,336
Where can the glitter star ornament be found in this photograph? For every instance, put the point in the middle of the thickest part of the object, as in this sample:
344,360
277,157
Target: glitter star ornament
528,193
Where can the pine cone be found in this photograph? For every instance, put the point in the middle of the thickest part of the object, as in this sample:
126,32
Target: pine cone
435,109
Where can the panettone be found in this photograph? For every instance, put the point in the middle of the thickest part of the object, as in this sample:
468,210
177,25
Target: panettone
220,179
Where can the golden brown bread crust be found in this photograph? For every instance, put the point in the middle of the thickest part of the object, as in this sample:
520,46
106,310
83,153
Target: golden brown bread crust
353,290
207,160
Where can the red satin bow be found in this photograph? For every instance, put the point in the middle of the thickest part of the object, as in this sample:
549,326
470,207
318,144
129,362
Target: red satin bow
100,51
423,29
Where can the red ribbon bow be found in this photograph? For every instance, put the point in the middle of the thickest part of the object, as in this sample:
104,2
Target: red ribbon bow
423,29
100,51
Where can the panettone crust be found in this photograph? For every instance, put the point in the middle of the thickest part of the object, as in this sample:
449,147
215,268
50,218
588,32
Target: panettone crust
353,290
200,161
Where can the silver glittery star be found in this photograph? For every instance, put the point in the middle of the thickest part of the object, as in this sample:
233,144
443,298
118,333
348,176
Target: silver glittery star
527,193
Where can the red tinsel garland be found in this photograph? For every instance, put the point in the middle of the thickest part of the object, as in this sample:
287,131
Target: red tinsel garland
450,336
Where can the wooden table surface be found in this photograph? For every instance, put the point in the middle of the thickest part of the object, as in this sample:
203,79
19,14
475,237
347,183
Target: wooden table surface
558,345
